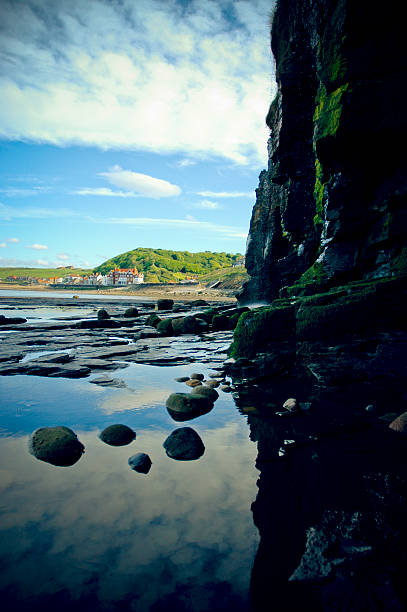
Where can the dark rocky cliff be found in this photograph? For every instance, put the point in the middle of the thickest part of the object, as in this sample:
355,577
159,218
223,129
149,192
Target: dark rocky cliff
332,205
321,370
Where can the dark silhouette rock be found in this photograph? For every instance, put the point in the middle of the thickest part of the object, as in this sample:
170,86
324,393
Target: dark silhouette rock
184,444
165,304
56,445
117,435
140,462
187,406
131,312
103,314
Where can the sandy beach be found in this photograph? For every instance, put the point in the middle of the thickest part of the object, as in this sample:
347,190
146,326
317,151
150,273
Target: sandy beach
176,292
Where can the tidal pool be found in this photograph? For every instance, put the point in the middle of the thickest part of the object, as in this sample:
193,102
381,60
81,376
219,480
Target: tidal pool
99,536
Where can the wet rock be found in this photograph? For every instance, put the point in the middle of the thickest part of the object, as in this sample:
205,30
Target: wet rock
99,324
148,334
165,304
184,444
185,406
213,383
182,379
197,376
400,424
199,303
103,314
225,388
165,327
153,320
11,320
193,383
205,391
370,408
131,312
290,404
108,381
189,325
117,435
140,462
56,445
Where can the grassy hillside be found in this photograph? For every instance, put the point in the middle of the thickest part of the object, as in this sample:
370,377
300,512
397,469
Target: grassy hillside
228,278
161,265
41,272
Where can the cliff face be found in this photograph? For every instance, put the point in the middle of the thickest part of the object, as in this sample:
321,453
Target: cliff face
332,205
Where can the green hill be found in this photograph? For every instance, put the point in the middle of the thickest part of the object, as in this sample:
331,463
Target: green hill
27,273
163,266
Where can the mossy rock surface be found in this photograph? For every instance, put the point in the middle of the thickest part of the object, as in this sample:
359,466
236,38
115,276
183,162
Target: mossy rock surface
165,304
165,327
117,435
56,445
153,320
131,312
205,391
257,328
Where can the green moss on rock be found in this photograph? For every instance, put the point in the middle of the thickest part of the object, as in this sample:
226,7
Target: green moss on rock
328,111
257,328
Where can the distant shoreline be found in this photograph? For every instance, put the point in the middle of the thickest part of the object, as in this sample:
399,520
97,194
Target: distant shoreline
177,292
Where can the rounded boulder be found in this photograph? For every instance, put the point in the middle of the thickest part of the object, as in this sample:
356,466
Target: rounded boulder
131,312
117,435
205,391
184,444
186,406
56,445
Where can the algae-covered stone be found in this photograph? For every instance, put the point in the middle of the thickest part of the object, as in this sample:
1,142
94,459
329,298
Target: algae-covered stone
205,391
56,445
184,444
193,383
153,320
103,314
131,312
186,406
117,435
165,327
197,376
140,462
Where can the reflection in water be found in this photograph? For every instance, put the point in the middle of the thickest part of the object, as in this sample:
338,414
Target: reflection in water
97,537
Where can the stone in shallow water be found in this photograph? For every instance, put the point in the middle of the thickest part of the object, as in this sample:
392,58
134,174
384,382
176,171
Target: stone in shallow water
103,314
193,383
56,445
205,391
117,435
185,406
184,444
131,312
140,462
182,379
197,376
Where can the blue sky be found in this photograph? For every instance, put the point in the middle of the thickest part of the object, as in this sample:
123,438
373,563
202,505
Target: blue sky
129,123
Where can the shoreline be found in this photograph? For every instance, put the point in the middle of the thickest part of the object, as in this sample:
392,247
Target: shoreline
183,293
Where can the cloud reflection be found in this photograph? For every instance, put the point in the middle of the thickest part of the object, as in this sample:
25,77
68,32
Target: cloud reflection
95,527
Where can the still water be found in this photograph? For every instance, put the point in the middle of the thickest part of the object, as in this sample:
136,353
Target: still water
99,536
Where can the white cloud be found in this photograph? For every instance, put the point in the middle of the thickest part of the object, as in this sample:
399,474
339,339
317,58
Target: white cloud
184,163
104,191
140,183
8,213
63,256
15,240
226,194
42,262
37,247
3,245
207,204
164,76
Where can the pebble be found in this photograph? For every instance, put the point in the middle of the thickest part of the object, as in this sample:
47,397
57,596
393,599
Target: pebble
400,424
117,435
182,379
290,404
197,376
193,383
225,389
140,462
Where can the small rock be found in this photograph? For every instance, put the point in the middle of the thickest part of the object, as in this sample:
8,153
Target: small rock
165,304
290,404
153,320
182,379
131,312
199,303
108,381
204,390
56,445
213,383
193,383
197,376
216,375
103,314
117,435
186,406
165,327
225,389
184,444
140,462
400,424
